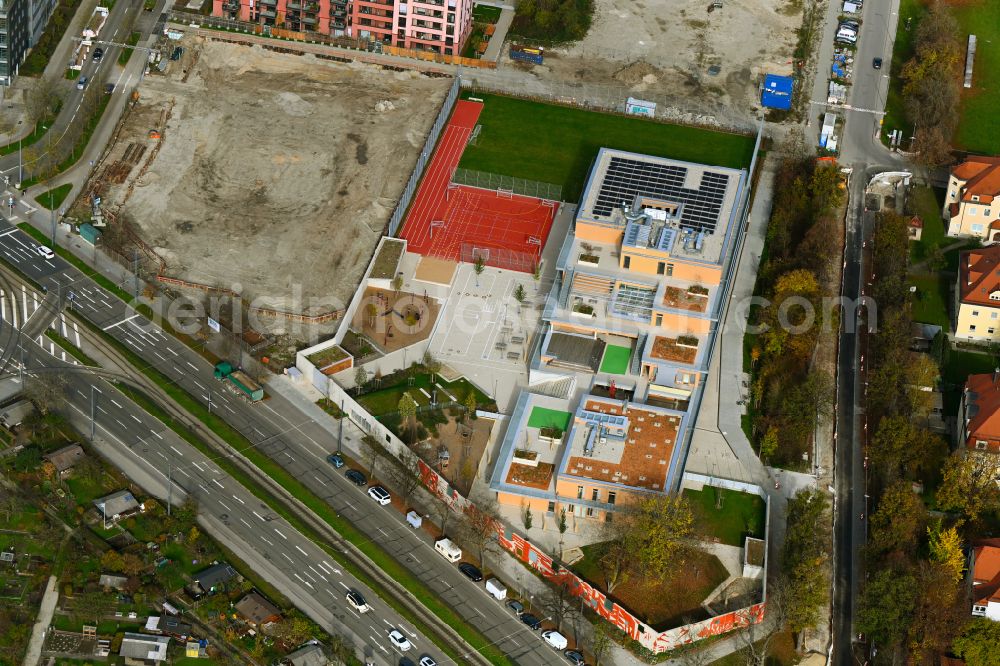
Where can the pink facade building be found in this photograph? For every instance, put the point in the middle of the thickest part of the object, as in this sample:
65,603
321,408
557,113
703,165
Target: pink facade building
441,26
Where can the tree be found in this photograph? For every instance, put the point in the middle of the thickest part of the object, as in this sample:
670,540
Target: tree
397,284
806,559
193,535
445,507
898,521
600,642
371,310
360,379
659,534
968,485
132,565
112,561
46,389
432,364
559,603
756,634
479,266
978,642
520,295
526,518
405,475
937,616
769,444
479,528
886,607
292,631
43,100
945,547
616,555
28,458
340,651
470,406
408,415
372,450
900,447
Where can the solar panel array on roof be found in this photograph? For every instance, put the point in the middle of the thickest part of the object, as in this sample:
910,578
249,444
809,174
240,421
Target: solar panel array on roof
625,178
605,419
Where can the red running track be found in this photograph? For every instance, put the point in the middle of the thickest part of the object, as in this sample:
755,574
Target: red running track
469,215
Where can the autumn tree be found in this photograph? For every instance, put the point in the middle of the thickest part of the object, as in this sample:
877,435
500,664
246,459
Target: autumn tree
132,565
805,561
432,365
898,521
945,547
559,603
977,644
408,416
886,607
900,448
968,485
659,534
112,561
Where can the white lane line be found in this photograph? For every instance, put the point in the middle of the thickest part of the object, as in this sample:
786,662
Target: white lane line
160,356
204,489
341,583
115,403
102,410
301,551
158,435
244,522
224,505
216,482
120,422
259,516
279,533
176,451
184,473
137,419
200,468
238,499
288,558
191,365
160,453
108,328
265,540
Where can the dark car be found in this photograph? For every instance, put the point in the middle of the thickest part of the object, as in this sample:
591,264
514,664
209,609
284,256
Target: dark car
356,477
109,88
516,606
406,661
877,63
471,572
532,621
98,54
574,657
335,460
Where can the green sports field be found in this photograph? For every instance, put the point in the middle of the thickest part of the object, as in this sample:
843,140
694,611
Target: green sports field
979,126
557,144
615,361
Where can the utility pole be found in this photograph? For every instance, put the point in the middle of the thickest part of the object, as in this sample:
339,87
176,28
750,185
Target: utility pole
340,435
93,412
170,484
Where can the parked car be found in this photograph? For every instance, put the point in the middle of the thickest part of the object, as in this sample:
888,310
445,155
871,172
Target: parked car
356,477
471,572
427,661
574,657
877,63
851,23
530,620
555,639
516,606
357,601
379,494
98,54
335,460
399,641
406,661
45,252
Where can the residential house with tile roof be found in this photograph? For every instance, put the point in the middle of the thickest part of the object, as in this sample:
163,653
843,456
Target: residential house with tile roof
977,295
972,202
985,567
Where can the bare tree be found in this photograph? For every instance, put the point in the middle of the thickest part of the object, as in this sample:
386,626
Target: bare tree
47,390
405,474
43,100
600,642
372,450
479,528
559,603
445,508
755,637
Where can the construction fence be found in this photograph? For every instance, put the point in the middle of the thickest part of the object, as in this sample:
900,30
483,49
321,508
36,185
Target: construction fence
425,155
495,181
500,257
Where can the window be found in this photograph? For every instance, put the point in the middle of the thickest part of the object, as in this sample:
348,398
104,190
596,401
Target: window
626,260
986,212
661,268
981,444
975,313
611,496
990,331
590,512
659,320
971,210
595,495
552,507
977,228
994,297
972,327
570,508
670,269
579,492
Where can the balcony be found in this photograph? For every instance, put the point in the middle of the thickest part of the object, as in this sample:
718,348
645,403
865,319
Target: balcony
427,24
311,20
293,6
427,12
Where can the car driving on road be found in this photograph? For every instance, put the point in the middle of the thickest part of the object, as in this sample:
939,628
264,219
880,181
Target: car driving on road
357,601
399,641
877,63
45,252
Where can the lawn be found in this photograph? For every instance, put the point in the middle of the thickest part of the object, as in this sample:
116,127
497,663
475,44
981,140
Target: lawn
543,417
662,605
615,359
386,400
53,198
79,146
85,488
926,203
902,50
741,515
125,54
485,14
558,144
979,125
930,301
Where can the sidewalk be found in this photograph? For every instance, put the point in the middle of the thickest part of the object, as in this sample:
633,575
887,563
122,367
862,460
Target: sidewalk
495,46
41,627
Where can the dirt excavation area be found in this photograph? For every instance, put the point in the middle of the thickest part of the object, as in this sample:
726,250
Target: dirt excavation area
275,173
670,48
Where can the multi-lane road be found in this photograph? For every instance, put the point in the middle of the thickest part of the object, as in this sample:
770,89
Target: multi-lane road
280,430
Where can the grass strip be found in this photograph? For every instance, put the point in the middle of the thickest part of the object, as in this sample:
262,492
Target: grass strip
37,133
52,199
348,531
79,147
126,53
71,349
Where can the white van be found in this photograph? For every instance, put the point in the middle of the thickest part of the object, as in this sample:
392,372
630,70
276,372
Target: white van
448,550
555,639
496,589
845,34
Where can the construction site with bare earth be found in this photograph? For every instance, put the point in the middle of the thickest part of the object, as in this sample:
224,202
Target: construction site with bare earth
265,173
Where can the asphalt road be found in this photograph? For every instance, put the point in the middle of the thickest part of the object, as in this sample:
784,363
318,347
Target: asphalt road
279,429
146,449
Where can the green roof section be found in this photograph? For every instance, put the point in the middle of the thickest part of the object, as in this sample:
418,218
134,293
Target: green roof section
543,417
615,361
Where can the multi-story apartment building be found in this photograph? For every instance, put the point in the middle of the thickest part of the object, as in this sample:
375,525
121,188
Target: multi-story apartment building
971,205
22,23
441,26
626,336
977,295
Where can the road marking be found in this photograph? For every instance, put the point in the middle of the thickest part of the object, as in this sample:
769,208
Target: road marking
238,499
191,365
341,583
108,328
115,403
102,410
160,356
216,482
120,422
184,473
200,468
265,540
280,534
176,451
158,435
244,522
137,419
288,558
224,506
301,551
160,453
259,516
204,489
